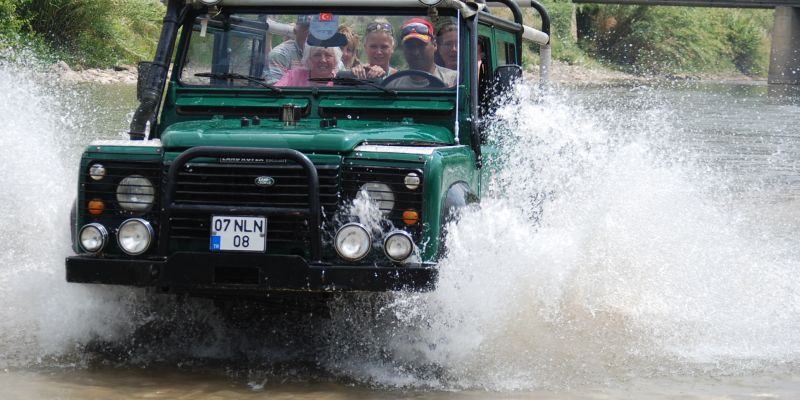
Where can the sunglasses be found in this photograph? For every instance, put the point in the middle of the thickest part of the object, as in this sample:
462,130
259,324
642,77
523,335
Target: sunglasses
380,26
422,29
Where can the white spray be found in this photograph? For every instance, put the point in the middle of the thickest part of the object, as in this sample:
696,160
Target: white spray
601,254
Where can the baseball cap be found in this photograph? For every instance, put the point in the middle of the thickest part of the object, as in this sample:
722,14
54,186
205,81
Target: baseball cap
417,28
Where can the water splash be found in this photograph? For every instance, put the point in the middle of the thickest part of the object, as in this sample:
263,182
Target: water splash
603,254
607,250
40,315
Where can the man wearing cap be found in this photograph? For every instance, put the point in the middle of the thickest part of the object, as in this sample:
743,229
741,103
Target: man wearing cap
419,48
288,54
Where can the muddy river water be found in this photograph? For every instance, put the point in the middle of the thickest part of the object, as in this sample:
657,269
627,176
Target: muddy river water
639,242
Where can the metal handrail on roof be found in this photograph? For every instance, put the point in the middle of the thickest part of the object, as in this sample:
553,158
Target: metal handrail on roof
467,8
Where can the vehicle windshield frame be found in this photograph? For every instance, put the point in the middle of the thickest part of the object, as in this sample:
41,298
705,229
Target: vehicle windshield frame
181,58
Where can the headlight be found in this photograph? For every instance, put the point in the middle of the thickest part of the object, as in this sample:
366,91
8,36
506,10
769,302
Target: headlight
135,193
353,242
134,236
398,246
381,193
93,237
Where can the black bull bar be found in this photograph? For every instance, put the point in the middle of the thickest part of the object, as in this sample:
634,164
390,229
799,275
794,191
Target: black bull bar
312,212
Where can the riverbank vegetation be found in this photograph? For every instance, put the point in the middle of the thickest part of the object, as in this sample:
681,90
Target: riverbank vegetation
679,39
637,39
662,40
84,33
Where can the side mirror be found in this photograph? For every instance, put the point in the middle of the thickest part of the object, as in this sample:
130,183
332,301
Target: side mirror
144,68
505,76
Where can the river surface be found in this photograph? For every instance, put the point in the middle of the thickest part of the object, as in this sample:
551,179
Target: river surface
639,242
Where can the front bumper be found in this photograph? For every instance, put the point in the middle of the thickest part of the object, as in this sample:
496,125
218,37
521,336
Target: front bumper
246,274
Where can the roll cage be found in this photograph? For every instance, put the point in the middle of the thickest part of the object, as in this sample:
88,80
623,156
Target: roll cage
153,75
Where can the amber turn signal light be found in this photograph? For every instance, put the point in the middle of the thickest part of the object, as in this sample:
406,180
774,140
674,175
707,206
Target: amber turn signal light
410,217
96,207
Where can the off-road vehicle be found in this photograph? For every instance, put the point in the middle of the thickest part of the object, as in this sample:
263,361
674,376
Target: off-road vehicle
232,186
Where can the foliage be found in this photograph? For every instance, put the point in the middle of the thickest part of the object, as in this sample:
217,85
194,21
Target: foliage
16,45
564,45
90,33
563,39
139,24
749,42
680,39
102,33
9,24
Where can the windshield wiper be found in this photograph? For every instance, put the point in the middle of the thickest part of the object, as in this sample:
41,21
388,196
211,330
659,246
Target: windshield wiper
258,81
354,82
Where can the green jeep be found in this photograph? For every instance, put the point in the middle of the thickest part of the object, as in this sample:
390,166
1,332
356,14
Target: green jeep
258,166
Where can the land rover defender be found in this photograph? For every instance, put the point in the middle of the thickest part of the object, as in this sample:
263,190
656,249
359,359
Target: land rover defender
234,184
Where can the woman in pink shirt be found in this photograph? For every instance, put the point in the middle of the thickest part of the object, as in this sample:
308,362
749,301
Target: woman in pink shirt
318,62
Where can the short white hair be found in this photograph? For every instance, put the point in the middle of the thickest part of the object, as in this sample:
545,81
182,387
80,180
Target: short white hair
308,51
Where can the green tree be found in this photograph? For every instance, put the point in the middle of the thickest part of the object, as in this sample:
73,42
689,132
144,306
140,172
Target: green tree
9,24
93,33
680,39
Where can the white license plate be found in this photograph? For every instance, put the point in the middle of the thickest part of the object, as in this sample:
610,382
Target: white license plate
238,233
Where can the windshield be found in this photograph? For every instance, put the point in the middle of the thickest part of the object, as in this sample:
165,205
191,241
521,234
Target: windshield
346,51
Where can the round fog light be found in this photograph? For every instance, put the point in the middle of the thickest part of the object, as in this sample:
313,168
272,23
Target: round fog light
398,246
134,236
353,242
93,237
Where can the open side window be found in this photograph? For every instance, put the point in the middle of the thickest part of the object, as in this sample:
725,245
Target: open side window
498,67
507,53
229,44
484,73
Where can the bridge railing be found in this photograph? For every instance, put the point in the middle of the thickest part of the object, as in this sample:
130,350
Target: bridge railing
702,3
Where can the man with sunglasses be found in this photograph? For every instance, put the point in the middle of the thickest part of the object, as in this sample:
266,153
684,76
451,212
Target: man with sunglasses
419,48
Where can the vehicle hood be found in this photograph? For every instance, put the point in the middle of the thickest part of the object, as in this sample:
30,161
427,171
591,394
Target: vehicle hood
305,136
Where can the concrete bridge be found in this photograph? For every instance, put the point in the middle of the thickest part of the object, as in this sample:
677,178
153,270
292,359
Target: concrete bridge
784,65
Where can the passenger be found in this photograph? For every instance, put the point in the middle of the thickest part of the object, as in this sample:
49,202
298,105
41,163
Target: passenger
481,60
447,40
318,62
288,54
350,50
379,46
481,56
419,49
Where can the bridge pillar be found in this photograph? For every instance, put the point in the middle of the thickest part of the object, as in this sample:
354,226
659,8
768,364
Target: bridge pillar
784,65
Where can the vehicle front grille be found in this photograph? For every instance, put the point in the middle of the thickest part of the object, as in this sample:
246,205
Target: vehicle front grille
354,176
105,190
234,185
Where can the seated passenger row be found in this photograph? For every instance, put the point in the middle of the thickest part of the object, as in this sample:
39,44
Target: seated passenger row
433,59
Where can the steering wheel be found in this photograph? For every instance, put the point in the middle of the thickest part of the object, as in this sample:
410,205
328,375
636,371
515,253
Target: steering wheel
433,82
351,75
